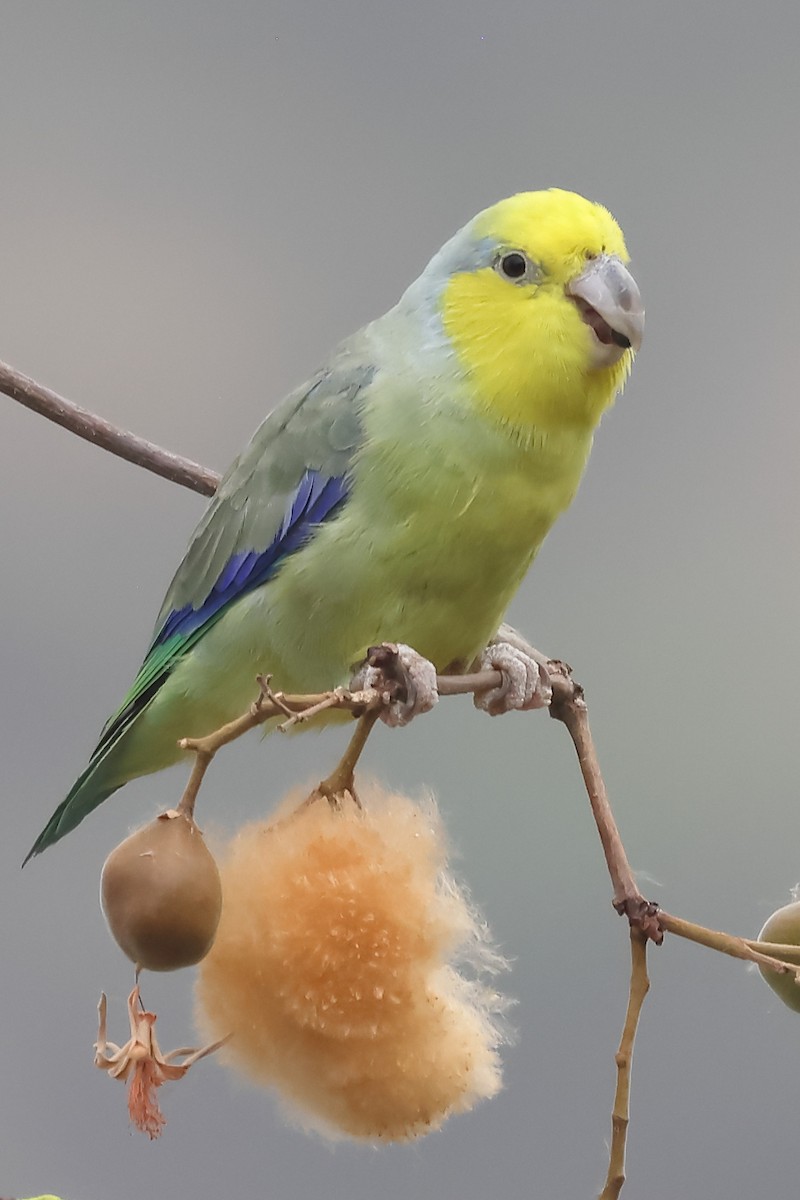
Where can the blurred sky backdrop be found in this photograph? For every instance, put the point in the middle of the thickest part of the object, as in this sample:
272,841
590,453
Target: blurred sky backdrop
197,201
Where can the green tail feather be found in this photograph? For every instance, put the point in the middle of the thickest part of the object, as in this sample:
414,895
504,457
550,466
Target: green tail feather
100,780
90,789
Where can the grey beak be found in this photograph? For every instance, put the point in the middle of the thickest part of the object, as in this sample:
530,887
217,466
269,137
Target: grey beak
607,287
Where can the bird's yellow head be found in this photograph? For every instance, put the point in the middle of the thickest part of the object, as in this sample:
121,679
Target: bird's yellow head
539,308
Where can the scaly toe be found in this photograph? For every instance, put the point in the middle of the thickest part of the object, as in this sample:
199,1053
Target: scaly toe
524,686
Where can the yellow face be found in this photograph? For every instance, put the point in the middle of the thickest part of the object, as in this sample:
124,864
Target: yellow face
524,325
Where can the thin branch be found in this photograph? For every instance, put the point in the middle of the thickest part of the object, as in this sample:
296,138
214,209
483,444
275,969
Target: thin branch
620,1117
627,899
787,954
268,706
569,707
479,681
341,781
784,960
102,433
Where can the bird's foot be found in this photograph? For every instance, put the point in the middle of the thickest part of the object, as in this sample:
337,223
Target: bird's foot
407,677
525,684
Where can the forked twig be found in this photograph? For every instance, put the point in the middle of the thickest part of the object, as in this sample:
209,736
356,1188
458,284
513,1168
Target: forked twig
267,707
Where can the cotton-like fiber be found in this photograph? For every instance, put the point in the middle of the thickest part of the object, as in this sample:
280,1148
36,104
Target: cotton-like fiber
335,968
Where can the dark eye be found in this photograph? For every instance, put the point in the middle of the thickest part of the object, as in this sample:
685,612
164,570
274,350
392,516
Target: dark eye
514,265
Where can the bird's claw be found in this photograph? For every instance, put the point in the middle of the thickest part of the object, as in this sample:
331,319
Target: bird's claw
407,677
525,683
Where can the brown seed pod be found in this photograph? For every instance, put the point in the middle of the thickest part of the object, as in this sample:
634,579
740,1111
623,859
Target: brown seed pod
161,894
783,928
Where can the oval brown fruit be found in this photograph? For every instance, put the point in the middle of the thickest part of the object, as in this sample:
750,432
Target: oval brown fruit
161,894
783,928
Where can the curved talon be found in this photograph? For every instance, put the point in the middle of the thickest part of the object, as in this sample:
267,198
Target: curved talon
525,683
409,679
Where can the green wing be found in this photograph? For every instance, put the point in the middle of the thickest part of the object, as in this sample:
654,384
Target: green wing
291,477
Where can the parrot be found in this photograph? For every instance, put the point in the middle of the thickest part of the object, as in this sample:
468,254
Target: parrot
399,495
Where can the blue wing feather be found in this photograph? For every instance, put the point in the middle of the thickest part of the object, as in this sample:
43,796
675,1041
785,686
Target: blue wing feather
235,563
317,497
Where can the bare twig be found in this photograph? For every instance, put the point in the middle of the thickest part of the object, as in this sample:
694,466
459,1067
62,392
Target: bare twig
620,1117
334,699
571,709
479,681
341,781
627,899
102,433
787,954
268,706
569,706
784,960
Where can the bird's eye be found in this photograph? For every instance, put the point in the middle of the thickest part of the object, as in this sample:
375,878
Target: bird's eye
515,266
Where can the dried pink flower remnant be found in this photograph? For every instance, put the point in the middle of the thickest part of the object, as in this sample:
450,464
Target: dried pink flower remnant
141,1064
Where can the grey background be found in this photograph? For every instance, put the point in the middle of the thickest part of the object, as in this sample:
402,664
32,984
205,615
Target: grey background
197,200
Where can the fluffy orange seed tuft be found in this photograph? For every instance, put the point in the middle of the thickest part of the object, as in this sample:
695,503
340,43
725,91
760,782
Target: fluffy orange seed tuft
334,968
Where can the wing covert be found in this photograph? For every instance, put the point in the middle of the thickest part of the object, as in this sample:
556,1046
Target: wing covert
311,436
291,477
